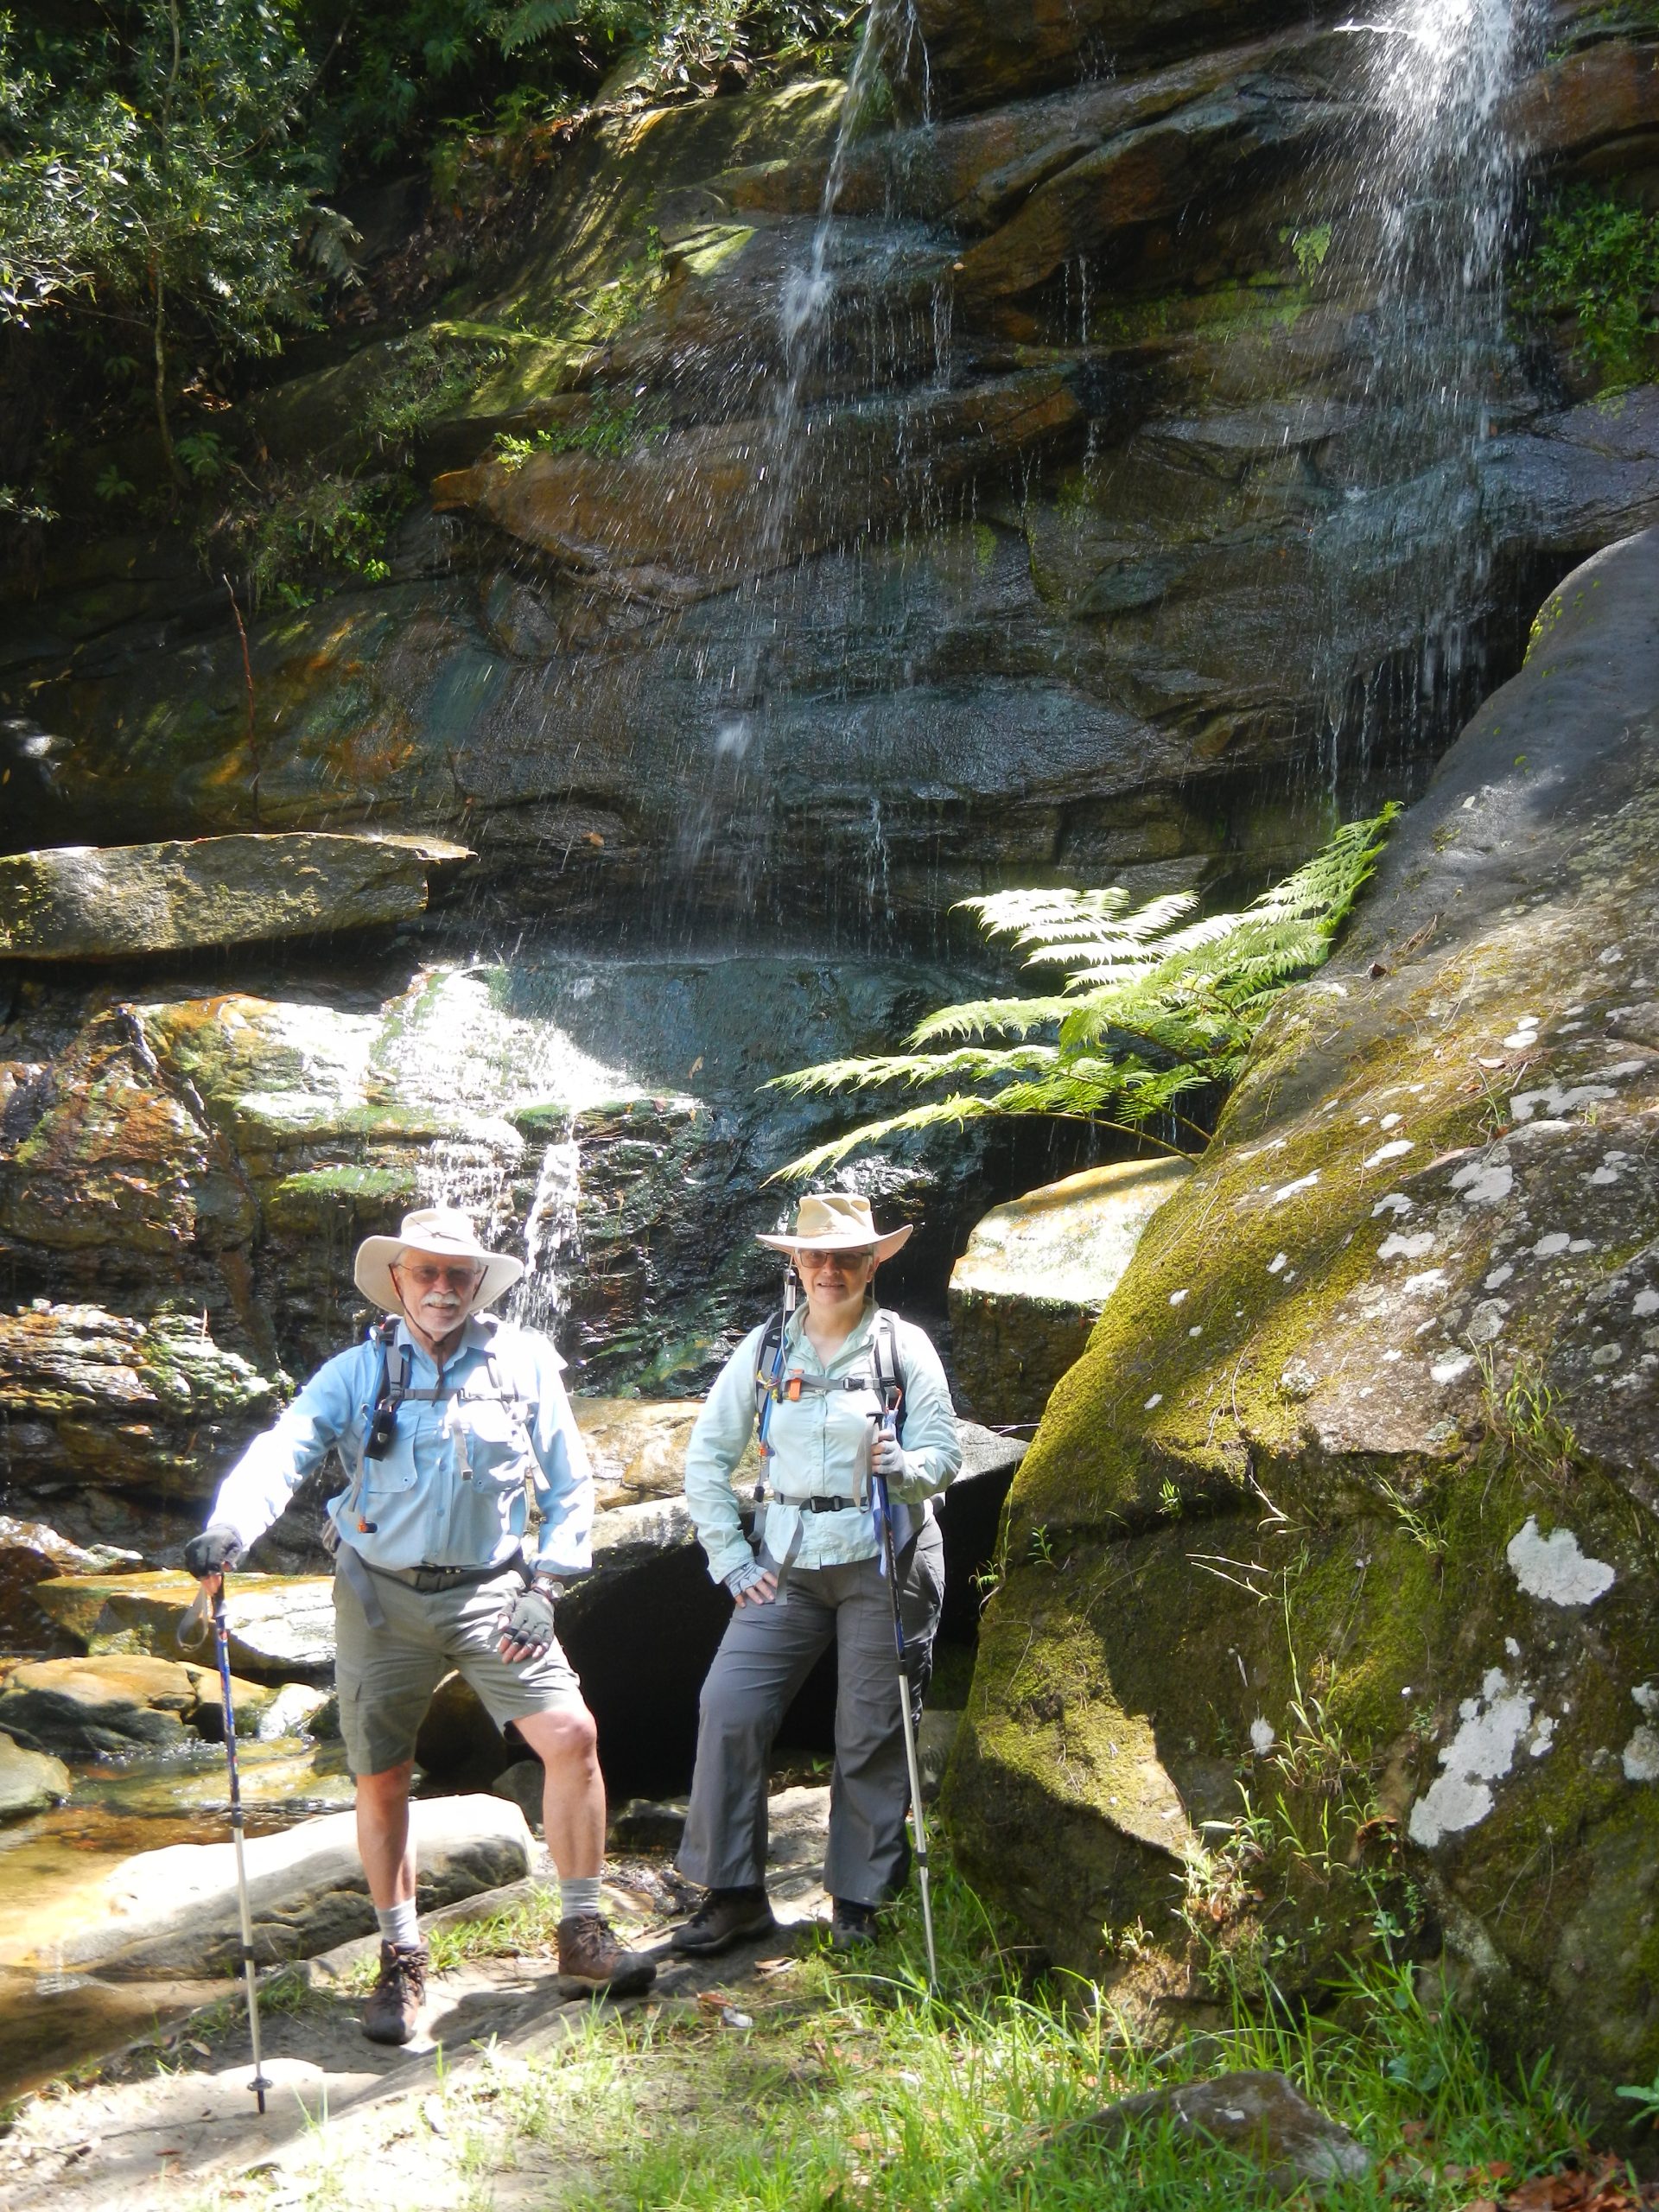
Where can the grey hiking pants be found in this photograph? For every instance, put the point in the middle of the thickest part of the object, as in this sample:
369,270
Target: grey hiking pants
765,1655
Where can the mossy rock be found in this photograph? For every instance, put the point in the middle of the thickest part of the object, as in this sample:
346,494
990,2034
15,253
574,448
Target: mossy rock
1350,1499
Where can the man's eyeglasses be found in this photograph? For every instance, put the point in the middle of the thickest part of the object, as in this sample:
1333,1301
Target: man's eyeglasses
426,1276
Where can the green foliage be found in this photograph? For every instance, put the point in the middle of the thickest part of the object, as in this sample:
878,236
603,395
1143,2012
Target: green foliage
156,177
1152,1007
607,429
1597,260
311,524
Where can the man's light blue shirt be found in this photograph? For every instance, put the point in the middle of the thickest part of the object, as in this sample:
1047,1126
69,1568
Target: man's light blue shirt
822,1447
450,1489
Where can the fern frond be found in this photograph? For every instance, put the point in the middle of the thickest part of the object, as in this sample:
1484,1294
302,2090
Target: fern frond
958,1109
1017,1017
532,20
911,1068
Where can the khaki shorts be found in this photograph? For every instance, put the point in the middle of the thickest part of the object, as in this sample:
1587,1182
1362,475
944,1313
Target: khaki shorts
386,1675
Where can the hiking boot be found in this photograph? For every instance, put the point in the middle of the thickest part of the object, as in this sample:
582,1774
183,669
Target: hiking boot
852,1927
395,2002
590,1954
724,1917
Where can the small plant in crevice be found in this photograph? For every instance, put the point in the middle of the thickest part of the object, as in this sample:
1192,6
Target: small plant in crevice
1596,259
608,429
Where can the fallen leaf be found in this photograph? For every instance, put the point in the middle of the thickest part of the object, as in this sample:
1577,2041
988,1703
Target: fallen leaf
200,2048
774,1965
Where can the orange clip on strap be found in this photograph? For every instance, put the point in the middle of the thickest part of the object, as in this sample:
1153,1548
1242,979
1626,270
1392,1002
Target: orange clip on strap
792,1389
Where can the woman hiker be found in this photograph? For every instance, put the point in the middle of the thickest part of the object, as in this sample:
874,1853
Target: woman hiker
818,1578
446,1421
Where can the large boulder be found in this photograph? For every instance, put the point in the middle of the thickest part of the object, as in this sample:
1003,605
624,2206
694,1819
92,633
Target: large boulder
1351,1494
85,902
1036,1273
280,1626
175,1911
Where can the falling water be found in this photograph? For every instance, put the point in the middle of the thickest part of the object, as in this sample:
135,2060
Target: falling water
1429,212
552,1237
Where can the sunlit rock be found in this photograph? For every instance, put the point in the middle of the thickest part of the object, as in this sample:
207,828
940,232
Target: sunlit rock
1030,1286
120,1704
30,1780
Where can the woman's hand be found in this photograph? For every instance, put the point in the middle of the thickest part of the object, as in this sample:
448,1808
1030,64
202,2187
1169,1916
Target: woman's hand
753,1585
888,1457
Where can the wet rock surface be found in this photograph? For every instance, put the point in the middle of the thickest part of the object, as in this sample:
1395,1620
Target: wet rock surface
114,1706
1029,1288
30,1780
1374,1409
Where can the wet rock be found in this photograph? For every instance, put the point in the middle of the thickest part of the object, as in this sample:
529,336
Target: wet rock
282,1627
84,902
636,1445
648,1824
113,1706
293,1712
32,1553
1416,1285
30,1780
1030,1286
175,1910
1263,2117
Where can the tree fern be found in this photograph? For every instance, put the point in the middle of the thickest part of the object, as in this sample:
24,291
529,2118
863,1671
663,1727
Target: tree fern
1150,1011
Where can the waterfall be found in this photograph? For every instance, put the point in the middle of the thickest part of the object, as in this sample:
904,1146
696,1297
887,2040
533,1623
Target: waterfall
1420,231
552,1236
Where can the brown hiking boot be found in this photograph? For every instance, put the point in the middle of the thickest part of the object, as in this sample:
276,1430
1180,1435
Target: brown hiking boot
394,2001
724,1917
590,1957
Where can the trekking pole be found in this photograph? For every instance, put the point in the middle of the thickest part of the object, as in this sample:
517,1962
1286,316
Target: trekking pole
888,1420
189,1632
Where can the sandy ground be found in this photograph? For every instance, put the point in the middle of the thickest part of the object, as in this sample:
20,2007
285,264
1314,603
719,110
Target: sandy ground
172,2122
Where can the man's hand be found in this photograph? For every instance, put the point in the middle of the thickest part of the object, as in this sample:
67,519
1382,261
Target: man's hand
888,1457
753,1585
211,1555
525,1628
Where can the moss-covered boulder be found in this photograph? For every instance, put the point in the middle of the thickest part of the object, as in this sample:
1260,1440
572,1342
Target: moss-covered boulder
1351,1498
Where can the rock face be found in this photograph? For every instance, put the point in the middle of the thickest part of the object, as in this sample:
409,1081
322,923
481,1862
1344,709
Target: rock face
282,1627
1350,1493
29,1780
83,902
175,1911
1030,1285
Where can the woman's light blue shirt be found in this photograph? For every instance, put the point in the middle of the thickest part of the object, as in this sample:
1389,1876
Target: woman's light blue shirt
822,1444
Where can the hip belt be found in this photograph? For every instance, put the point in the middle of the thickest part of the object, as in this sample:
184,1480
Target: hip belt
355,1571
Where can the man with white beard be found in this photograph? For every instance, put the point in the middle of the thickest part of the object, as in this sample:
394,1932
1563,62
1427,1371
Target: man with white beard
454,1434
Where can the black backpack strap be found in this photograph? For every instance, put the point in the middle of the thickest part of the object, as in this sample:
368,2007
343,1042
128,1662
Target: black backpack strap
889,1368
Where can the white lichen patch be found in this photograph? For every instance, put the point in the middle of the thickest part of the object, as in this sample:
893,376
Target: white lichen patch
1640,1756
1484,1185
1262,1737
1277,1262
1430,1279
1612,1166
1289,1190
1548,1246
1450,1367
1406,1248
1556,1102
1396,1202
1156,1400
1396,1149
1481,1752
1176,1296
1553,1568
1647,1301
1499,1277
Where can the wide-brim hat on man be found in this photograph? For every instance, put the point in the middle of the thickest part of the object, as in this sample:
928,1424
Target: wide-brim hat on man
447,1234
835,1221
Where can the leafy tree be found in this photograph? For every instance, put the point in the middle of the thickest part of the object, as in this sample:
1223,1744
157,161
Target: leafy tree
1597,260
1148,1012
156,177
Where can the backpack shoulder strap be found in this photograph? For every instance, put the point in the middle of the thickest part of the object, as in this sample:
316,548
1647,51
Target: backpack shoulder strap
884,1358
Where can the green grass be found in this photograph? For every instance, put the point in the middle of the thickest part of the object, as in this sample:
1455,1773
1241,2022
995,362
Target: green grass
856,2090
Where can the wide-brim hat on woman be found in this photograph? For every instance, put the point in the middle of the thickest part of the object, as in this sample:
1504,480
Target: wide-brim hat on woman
447,1234
835,1221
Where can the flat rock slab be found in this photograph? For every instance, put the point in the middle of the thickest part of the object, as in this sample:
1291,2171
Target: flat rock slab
111,1706
1036,1275
103,902
1264,2117
175,1910
29,1780
282,1626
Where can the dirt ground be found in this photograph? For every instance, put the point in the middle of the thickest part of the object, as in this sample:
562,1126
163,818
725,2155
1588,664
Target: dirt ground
171,2120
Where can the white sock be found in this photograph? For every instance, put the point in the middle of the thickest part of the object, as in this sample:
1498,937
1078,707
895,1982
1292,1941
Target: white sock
398,1925
578,1893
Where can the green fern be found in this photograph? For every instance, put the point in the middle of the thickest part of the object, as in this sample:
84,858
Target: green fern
1150,1011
